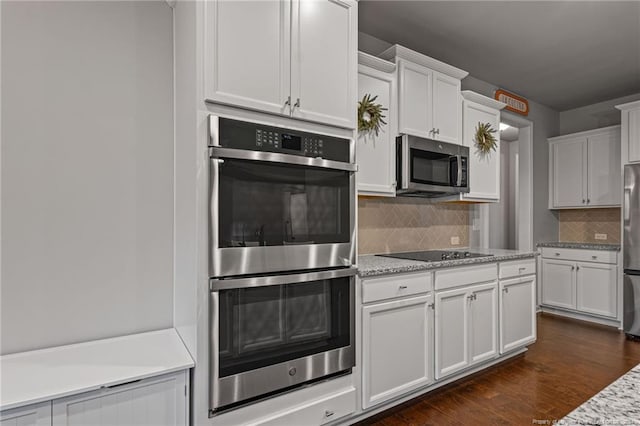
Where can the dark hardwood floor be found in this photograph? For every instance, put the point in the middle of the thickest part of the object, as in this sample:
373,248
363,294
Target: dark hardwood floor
571,361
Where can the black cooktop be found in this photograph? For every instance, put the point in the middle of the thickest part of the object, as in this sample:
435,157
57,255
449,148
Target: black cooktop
435,255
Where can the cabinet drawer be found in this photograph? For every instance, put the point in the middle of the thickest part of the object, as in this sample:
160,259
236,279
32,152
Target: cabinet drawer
316,412
464,275
579,255
393,286
517,268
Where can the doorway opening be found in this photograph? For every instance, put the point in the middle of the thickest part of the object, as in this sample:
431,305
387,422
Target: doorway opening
508,224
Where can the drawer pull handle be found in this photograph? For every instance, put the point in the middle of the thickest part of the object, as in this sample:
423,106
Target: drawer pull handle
594,257
403,287
328,413
522,269
506,289
557,254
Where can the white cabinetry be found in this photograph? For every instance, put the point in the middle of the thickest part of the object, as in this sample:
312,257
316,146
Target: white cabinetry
376,153
429,103
582,281
397,347
157,401
290,57
31,415
484,168
584,169
630,132
517,304
466,327
397,336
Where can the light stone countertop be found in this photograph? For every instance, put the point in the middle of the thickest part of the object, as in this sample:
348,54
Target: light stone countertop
45,374
372,265
617,404
582,246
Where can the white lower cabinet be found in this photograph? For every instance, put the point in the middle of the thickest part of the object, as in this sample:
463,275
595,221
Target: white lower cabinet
517,312
397,348
559,284
583,281
31,415
158,401
316,412
596,291
466,326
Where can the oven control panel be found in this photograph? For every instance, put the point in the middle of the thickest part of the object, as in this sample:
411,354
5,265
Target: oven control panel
308,146
257,137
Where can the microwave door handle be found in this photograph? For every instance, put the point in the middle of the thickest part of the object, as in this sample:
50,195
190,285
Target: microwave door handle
459,165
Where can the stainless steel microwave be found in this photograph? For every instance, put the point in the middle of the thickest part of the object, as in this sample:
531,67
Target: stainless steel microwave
430,168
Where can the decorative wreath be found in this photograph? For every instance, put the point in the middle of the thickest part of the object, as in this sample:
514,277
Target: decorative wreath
485,141
370,117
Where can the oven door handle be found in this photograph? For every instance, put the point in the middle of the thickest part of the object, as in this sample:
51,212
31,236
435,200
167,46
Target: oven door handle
275,157
233,283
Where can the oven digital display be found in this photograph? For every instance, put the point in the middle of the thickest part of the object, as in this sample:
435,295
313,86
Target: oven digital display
291,142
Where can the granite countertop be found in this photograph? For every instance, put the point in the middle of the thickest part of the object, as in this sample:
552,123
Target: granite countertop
617,404
583,246
371,265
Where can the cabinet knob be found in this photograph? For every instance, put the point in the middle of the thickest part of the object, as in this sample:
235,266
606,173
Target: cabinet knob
506,289
588,200
577,268
583,201
288,101
573,268
297,104
432,305
437,131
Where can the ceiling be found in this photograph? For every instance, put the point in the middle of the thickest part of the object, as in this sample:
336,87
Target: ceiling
562,54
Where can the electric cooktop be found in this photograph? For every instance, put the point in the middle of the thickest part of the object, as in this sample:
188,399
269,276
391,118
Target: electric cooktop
435,255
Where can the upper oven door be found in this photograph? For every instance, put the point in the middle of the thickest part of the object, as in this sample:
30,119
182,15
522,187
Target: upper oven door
273,212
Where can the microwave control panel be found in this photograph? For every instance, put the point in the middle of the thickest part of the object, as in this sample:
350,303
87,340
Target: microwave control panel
257,137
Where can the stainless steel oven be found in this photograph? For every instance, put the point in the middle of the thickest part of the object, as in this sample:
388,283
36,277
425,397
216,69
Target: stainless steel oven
430,168
281,199
272,333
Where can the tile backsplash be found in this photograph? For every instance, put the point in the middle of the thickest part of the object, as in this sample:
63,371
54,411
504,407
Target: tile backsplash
387,225
580,226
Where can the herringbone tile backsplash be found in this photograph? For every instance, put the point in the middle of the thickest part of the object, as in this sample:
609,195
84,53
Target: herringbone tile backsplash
580,226
388,225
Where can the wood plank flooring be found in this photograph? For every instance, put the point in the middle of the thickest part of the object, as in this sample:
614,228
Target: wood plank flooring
571,361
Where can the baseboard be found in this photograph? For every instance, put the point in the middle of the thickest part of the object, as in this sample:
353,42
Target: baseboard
580,316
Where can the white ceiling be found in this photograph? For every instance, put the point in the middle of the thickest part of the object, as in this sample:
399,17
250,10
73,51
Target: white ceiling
563,54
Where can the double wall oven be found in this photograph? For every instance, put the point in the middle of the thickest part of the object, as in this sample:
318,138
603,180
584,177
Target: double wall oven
281,244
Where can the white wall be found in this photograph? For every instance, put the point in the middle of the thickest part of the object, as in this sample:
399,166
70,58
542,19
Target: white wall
499,213
87,171
594,116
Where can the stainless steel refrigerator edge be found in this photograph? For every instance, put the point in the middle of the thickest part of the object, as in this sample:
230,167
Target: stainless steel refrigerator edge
631,241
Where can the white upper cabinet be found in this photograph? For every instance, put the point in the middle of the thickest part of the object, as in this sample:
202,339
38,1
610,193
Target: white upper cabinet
375,154
289,57
429,103
248,54
324,61
584,169
630,132
484,168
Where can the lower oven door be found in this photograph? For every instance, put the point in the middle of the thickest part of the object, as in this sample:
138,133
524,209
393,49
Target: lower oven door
271,333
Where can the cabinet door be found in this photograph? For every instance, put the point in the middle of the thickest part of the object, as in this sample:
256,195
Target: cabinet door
483,322
376,154
415,115
31,415
324,61
484,169
605,180
447,108
451,331
634,135
569,173
158,401
247,54
597,289
559,283
397,348
517,313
